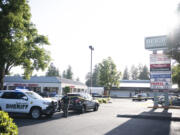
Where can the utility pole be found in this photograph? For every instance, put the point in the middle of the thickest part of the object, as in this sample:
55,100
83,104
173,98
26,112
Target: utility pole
92,49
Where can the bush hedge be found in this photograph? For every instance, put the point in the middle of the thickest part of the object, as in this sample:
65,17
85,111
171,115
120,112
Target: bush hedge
103,100
7,127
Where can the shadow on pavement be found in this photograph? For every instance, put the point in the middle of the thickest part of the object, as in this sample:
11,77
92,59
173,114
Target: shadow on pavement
146,123
25,120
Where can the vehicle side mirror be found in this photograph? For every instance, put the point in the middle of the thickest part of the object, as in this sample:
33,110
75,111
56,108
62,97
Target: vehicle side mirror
25,98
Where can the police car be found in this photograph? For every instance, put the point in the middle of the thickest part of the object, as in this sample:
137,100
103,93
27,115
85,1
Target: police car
28,102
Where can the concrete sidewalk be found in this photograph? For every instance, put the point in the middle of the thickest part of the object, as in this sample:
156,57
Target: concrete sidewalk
156,114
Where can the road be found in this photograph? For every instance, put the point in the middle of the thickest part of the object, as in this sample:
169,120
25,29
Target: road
116,118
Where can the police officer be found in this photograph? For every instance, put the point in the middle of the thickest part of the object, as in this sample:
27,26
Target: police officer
66,102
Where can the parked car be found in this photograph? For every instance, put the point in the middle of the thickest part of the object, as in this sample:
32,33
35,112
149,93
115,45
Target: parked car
28,102
96,95
173,100
82,102
140,97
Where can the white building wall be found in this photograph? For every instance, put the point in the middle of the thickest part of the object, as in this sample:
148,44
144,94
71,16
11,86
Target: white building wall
126,93
99,90
116,93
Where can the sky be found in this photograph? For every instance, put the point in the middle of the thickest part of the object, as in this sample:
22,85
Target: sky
115,28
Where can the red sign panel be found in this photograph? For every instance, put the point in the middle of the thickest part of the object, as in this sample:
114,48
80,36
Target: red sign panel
160,65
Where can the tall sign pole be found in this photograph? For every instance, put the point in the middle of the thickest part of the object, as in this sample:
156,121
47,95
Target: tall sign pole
160,67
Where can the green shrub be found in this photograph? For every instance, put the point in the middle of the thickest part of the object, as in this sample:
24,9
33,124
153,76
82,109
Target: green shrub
7,127
100,100
104,100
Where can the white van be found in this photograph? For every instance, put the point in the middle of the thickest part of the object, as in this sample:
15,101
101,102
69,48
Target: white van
29,102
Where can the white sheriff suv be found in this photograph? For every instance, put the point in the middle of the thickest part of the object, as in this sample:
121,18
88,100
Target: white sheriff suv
29,102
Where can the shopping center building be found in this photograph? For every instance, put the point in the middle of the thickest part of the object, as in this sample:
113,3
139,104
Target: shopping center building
43,84
129,88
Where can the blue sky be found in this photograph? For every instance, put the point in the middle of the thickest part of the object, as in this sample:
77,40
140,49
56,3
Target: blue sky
115,28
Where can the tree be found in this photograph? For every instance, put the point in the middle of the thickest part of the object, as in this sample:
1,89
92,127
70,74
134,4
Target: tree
173,42
176,74
77,79
52,71
144,73
134,72
88,79
67,89
20,43
109,76
95,77
126,74
64,74
68,74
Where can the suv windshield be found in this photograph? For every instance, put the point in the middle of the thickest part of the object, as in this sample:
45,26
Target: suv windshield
33,95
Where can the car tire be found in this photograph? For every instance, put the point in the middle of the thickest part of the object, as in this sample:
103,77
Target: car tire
96,108
83,109
35,113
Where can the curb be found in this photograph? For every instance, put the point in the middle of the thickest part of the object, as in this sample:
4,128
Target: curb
150,117
165,107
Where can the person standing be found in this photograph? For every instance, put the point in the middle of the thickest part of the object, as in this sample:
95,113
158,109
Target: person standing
66,102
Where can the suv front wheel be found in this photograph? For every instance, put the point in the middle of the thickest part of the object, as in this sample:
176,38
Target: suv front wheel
35,113
96,108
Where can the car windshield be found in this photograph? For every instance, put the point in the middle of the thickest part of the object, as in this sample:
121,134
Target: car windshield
73,95
52,95
33,95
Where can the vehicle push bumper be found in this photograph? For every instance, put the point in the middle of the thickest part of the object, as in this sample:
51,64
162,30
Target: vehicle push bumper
52,108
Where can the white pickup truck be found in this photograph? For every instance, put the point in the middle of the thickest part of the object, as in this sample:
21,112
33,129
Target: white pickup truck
29,102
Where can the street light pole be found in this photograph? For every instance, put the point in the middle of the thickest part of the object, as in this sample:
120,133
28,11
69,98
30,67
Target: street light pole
91,48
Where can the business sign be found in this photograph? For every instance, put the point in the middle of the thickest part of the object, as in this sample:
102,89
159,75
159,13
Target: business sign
156,43
160,66
160,85
160,75
159,59
160,79
160,71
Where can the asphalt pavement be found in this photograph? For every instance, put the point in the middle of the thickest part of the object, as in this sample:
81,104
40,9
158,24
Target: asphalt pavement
121,117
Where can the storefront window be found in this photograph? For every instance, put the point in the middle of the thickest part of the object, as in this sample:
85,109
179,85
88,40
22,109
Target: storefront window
50,90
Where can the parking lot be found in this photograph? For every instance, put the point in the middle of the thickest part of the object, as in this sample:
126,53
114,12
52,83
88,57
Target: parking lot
122,116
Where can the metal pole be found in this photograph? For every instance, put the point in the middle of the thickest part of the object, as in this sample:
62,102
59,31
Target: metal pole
91,48
91,71
155,91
